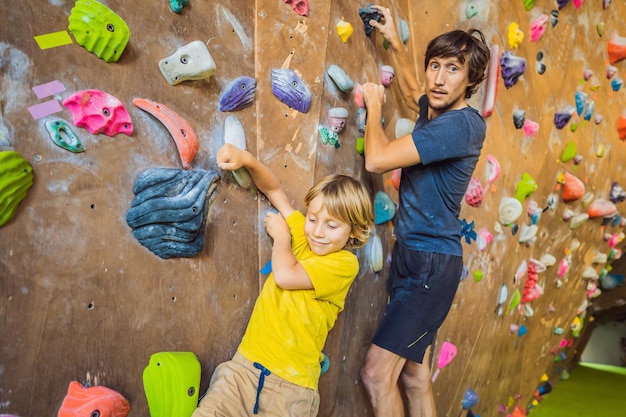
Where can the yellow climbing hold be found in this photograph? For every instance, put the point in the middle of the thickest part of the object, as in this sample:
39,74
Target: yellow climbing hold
516,36
344,30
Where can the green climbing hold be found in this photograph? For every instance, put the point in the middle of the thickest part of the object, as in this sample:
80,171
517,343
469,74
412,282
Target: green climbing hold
16,177
529,4
471,11
62,135
329,137
360,145
525,187
569,152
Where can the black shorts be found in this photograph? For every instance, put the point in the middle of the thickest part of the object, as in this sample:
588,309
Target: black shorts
421,288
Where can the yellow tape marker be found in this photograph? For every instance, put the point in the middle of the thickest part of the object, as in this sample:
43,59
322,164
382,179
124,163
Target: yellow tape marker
54,39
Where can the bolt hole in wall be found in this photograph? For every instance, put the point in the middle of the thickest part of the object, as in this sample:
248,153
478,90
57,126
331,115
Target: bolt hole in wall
607,345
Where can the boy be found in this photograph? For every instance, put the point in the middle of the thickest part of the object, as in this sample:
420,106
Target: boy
276,369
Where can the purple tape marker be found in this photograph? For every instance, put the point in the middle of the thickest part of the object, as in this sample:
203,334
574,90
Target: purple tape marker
48,89
44,109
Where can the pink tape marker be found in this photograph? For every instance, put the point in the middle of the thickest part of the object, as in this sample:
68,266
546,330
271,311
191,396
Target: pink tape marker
48,89
44,109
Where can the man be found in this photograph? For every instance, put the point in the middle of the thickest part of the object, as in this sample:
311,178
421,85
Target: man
437,161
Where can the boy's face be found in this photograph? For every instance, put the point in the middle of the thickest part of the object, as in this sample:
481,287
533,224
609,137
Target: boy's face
446,82
325,234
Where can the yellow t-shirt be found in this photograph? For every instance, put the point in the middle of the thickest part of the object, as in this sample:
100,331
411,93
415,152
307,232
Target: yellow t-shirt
288,328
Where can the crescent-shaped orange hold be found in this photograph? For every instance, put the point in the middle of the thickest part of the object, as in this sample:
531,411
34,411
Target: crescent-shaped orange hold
181,131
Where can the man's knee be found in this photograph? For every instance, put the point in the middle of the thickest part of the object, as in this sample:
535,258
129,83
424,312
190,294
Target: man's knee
415,376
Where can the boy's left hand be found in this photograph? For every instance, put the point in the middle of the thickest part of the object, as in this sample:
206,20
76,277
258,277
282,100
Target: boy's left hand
277,227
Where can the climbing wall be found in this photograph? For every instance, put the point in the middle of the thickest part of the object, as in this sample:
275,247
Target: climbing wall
83,300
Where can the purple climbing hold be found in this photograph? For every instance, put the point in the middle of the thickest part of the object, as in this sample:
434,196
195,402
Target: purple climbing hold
238,94
562,117
511,68
562,3
290,89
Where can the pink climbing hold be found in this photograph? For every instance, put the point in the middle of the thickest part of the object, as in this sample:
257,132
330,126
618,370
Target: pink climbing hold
563,267
475,193
601,208
99,112
538,27
530,128
577,3
493,76
621,127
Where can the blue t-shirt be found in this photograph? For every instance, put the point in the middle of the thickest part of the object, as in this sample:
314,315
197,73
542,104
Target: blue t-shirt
431,192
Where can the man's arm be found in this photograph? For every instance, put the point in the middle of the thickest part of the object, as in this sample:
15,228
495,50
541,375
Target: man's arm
381,154
409,84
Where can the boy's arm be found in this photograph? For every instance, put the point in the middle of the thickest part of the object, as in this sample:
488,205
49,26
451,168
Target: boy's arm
289,274
230,157
410,86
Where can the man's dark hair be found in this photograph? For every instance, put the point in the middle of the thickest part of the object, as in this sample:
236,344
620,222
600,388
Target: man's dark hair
462,45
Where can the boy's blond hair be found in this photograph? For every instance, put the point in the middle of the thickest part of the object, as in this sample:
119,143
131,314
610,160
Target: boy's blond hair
348,200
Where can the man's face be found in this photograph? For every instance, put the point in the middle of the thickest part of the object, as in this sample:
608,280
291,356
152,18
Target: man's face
446,82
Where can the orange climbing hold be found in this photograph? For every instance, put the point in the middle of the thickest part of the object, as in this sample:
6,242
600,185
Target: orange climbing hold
617,48
91,401
621,127
181,131
573,188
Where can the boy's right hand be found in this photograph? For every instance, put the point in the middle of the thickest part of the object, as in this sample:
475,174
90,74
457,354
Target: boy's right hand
387,28
230,157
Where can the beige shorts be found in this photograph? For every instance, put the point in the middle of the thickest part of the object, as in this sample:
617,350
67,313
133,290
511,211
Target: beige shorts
233,389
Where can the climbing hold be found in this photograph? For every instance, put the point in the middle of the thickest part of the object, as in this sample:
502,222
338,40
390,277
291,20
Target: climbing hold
376,253
597,119
63,136
179,129
290,89
235,135
528,233
404,126
562,3
529,4
610,72
621,127
16,177
510,210
387,74
447,352
358,96
483,239
616,48
538,27
605,4
360,145
572,188
587,73
328,137
99,112
98,29
562,117
301,7
337,117
471,10
616,84
369,13
178,5
474,193
97,400
516,297
169,211
361,118
601,208
511,68
396,175
344,30
493,168
171,382
384,208
600,27
580,98
470,398
404,31
569,152
502,296
530,128
519,118
547,259
341,79
324,364
578,220
617,193
577,3
554,17
590,106
238,94
491,88
515,35
524,187
192,61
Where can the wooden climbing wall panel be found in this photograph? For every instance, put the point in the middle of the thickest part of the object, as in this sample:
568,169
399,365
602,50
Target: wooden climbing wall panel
82,300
